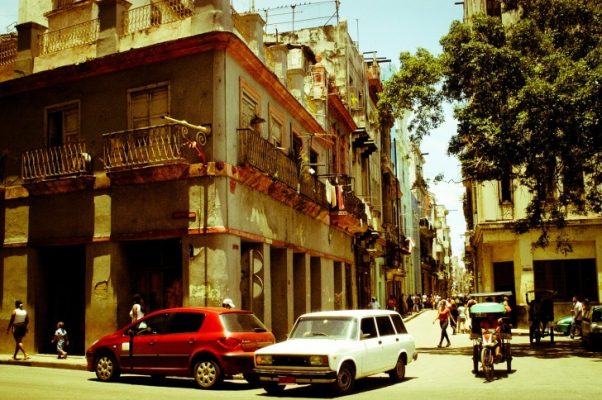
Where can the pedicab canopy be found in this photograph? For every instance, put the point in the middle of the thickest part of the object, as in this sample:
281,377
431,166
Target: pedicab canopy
487,308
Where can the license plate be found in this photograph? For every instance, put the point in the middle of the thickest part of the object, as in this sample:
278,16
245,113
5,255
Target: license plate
286,379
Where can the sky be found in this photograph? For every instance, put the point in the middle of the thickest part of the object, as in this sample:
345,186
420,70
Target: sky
387,27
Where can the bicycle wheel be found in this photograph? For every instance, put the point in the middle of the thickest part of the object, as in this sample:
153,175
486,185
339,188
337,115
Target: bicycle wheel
487,363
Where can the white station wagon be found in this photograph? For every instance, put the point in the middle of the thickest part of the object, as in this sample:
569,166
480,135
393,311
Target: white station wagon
336,348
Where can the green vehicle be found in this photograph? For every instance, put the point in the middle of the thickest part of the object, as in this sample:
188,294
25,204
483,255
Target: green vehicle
491,333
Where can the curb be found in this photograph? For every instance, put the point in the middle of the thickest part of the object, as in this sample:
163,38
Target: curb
47,361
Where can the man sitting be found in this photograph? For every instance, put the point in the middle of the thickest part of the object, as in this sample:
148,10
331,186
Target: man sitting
491,323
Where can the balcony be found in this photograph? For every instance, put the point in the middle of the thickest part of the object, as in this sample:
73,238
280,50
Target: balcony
57,169
8,49
142,18
277,166
146,154
350,215
72,36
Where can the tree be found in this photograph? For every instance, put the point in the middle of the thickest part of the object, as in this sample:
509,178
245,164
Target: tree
527,98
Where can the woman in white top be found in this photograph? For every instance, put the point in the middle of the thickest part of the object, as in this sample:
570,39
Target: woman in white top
137,310
18,322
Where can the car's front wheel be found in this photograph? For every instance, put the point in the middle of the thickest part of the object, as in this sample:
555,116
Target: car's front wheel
273,388
398,373
345,380
251,378
106,368
207,373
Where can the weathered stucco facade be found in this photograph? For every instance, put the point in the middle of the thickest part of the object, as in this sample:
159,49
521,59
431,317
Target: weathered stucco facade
104,198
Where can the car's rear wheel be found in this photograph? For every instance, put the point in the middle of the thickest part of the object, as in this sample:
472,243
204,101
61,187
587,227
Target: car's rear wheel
106,368
345,380
273,388
207,373
398,373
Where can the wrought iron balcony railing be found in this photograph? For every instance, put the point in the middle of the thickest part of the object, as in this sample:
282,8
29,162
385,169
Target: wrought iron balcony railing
154,145
261,154
157,13
71,159
8,49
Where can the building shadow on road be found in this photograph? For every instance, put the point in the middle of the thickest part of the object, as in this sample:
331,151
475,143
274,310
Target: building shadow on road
546,350
324,391
179,382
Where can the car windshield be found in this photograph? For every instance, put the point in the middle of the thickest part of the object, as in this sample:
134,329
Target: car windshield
239,322
325,327
597,315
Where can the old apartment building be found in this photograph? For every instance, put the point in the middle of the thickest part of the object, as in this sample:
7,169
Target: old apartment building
502,260
168,148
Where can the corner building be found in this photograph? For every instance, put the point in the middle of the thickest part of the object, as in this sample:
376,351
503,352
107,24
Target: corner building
147,147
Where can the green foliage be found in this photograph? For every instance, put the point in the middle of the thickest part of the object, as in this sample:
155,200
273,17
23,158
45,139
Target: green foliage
527,98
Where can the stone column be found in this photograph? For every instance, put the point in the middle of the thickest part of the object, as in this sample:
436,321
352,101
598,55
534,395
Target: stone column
211,15
107,293
111,14
302,284
213,270
28,46
282,292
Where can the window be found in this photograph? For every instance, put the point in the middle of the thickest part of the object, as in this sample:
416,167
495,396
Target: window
156,324
185,322
568,278
241,323
398,322
249,107
385,327
505,190
62,124
147,106
368,328
276,127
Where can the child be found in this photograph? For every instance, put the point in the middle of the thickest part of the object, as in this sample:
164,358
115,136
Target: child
61,340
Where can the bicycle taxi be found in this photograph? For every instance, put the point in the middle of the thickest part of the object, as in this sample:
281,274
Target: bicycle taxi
541,314
490,345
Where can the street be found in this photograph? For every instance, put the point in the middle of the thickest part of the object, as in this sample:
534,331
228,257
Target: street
562,371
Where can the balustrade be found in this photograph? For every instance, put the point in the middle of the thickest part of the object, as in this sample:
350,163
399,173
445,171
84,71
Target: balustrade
55,162
136,148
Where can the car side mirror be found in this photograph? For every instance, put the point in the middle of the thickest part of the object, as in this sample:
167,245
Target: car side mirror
131,332
365,336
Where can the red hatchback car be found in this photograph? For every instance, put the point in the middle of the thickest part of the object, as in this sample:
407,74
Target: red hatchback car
207,344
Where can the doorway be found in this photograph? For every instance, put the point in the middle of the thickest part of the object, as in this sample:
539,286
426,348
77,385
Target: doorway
156,272
61,297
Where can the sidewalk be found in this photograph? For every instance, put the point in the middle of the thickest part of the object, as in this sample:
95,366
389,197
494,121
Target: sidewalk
46,360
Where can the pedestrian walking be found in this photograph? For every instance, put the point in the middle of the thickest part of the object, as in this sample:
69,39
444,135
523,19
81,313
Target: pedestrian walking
228,303
19,320
373,304
577,317
443,316
392,303
61,340
410,304
454,313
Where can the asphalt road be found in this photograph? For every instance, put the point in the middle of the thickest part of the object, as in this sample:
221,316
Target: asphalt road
563,371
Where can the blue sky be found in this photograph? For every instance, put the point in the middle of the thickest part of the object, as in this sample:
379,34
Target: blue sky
387,27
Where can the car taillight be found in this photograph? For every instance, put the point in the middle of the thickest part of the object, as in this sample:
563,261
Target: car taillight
229,343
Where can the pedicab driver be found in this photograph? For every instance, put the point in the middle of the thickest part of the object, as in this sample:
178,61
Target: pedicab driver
491,323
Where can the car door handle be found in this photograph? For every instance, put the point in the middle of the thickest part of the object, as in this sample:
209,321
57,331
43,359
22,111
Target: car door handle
152,343
380,342
191,341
